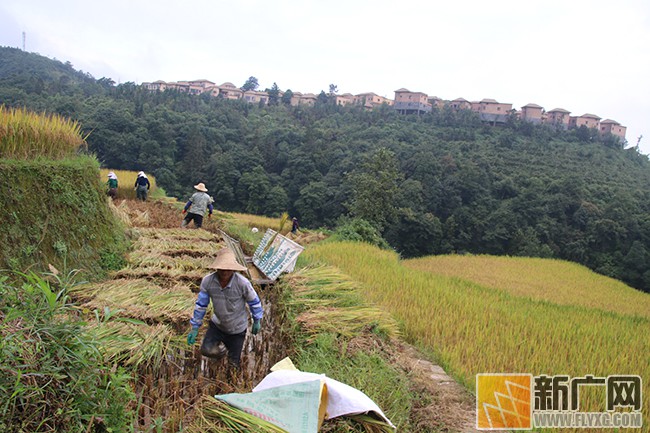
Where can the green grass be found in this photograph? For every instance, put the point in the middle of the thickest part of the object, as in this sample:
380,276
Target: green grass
52,373
56,212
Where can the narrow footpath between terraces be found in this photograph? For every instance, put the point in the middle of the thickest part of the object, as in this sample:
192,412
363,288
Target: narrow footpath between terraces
154,294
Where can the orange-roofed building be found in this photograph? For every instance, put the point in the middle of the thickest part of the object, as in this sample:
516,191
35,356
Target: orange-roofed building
344,99
371,100
609,126
407,102
460,104
558,117
229,91
532,113
159,86
587,119
492,111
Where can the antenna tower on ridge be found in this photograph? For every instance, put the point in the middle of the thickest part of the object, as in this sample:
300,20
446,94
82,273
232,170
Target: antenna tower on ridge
24,37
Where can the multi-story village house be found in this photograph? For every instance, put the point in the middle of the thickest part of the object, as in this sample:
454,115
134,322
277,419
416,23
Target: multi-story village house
436,102
609,126
587,119
255,97
407,102
532,113
371,100
308,99
229,91
492,111
344,99
159,86
558,117
461,104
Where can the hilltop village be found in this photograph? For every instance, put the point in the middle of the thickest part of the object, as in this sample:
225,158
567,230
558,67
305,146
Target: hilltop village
408,102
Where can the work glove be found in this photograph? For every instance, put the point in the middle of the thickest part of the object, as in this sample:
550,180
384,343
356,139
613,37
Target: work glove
256,327
191,337
184,212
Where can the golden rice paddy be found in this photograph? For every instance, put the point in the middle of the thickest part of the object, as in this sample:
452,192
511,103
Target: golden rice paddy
473,328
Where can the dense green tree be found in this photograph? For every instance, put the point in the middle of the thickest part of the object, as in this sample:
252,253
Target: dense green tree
250,84
435,183
311,204
415,234
286,97
322,98
375,186
274,95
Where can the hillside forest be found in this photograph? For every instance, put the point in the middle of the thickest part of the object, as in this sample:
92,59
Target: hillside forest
439,183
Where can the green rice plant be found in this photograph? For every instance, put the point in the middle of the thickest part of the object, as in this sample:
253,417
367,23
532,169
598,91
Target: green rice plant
474,329
28,135
215,416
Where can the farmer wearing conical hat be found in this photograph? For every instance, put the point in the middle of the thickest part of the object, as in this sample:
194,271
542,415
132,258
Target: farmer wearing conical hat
229,292
112,185
142,186
197,205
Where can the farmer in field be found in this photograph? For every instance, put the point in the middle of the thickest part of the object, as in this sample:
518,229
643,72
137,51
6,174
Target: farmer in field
294,225
142,186
112,185
229,292
196,207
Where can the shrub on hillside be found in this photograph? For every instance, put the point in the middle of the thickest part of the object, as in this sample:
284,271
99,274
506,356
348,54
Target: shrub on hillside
359,230
52,373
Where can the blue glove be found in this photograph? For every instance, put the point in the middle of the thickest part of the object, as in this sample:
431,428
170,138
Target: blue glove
191,337
256,327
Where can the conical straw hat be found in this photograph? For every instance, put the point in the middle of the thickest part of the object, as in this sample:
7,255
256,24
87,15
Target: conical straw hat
226,260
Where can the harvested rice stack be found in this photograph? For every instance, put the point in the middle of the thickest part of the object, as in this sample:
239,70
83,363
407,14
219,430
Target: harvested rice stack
162,260
333,302
137,298
136,343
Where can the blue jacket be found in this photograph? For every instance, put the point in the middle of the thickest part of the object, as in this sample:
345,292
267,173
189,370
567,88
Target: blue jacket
228,303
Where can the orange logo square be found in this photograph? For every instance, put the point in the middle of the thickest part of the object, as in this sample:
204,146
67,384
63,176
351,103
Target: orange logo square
503,401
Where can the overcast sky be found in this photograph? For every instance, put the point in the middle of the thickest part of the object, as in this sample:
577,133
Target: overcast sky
586,56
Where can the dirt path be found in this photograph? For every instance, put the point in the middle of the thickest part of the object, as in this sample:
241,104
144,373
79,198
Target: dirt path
451,408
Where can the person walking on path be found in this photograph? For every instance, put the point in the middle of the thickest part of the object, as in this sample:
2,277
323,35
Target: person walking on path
112,185
230,293
142,186
196,206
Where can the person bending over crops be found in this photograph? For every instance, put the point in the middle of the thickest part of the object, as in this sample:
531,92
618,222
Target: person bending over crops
142,186
196,207
112,185
229,292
